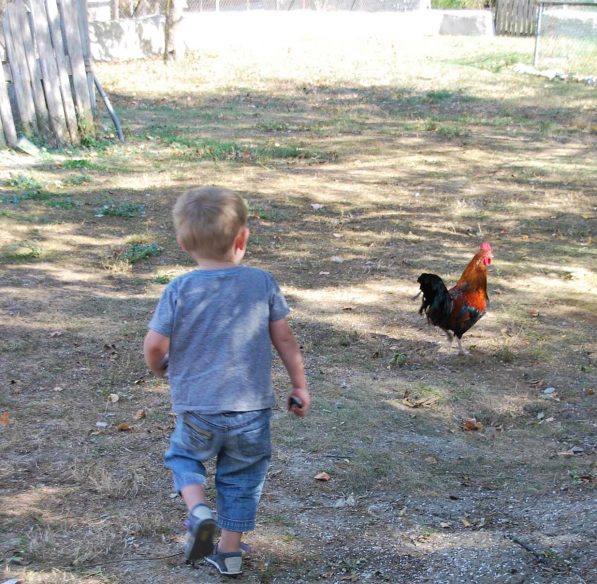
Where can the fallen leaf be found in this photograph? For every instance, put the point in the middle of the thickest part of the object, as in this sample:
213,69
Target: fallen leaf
56,334
336,259
322,476
123,427
533,312
590,391
420,403
140,414
4,418
316,206
471,425
113,397
466,522
140,380
445,524
431,460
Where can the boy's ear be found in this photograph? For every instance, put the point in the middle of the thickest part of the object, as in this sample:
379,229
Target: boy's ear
241,239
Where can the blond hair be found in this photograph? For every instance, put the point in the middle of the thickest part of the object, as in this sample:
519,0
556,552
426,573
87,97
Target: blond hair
208,219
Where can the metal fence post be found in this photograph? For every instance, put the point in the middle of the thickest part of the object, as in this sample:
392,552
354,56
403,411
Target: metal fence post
538,33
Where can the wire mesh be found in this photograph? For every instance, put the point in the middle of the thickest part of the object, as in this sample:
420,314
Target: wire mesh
328,5
566,39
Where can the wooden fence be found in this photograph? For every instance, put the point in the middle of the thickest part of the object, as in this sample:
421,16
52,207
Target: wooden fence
46,83
515,17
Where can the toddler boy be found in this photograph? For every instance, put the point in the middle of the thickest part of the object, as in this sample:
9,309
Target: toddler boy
212,333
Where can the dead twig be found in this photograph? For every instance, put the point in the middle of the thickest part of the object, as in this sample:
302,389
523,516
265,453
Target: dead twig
537,555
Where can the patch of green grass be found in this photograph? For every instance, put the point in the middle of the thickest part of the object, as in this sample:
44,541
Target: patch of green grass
161,279
452,131
125,209
33,190
441,95
65,203
494,62
267,213
398,360
139,252
271,126
24,182
79,180
21,252
77,163
220,150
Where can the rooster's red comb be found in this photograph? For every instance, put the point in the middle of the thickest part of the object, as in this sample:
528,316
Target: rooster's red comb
485,246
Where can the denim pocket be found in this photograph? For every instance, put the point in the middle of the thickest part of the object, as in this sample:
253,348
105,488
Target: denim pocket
256,441
194,435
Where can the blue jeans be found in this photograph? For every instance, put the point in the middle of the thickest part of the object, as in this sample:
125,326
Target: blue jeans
241,443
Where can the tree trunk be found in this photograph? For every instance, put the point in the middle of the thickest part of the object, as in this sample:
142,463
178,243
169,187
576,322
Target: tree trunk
173,43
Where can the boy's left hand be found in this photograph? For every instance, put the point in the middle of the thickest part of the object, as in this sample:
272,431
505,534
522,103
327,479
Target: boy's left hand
298,402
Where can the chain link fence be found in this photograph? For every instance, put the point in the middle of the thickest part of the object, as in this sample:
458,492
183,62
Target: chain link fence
566,38
106,9
328,5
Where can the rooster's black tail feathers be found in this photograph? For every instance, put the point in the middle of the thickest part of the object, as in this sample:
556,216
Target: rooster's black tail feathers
437,304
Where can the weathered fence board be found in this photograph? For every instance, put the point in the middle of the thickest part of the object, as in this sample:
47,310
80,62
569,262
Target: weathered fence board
86,44
70,22
65,88
10,133
46,86
515,17
19,72
49,70
41,109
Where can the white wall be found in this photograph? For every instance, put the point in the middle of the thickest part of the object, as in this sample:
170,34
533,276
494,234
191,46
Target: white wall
135,39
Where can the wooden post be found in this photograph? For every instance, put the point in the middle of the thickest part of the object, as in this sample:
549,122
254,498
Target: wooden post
114,14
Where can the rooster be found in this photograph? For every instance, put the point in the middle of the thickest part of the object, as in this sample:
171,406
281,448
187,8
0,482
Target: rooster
456,310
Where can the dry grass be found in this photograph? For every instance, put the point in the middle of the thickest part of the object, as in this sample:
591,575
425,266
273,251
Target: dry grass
416,151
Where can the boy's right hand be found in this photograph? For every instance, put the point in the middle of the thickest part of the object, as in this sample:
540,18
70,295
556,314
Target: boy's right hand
298,402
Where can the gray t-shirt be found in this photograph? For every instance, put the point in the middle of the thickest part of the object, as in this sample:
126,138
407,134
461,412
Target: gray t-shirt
220,346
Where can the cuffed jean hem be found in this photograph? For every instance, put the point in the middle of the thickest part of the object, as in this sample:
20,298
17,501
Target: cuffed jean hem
235,525
187,479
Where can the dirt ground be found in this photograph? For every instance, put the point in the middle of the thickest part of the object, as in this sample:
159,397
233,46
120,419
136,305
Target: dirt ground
363,166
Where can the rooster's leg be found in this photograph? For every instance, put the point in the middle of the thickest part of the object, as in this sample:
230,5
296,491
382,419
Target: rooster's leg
461,349
450,339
